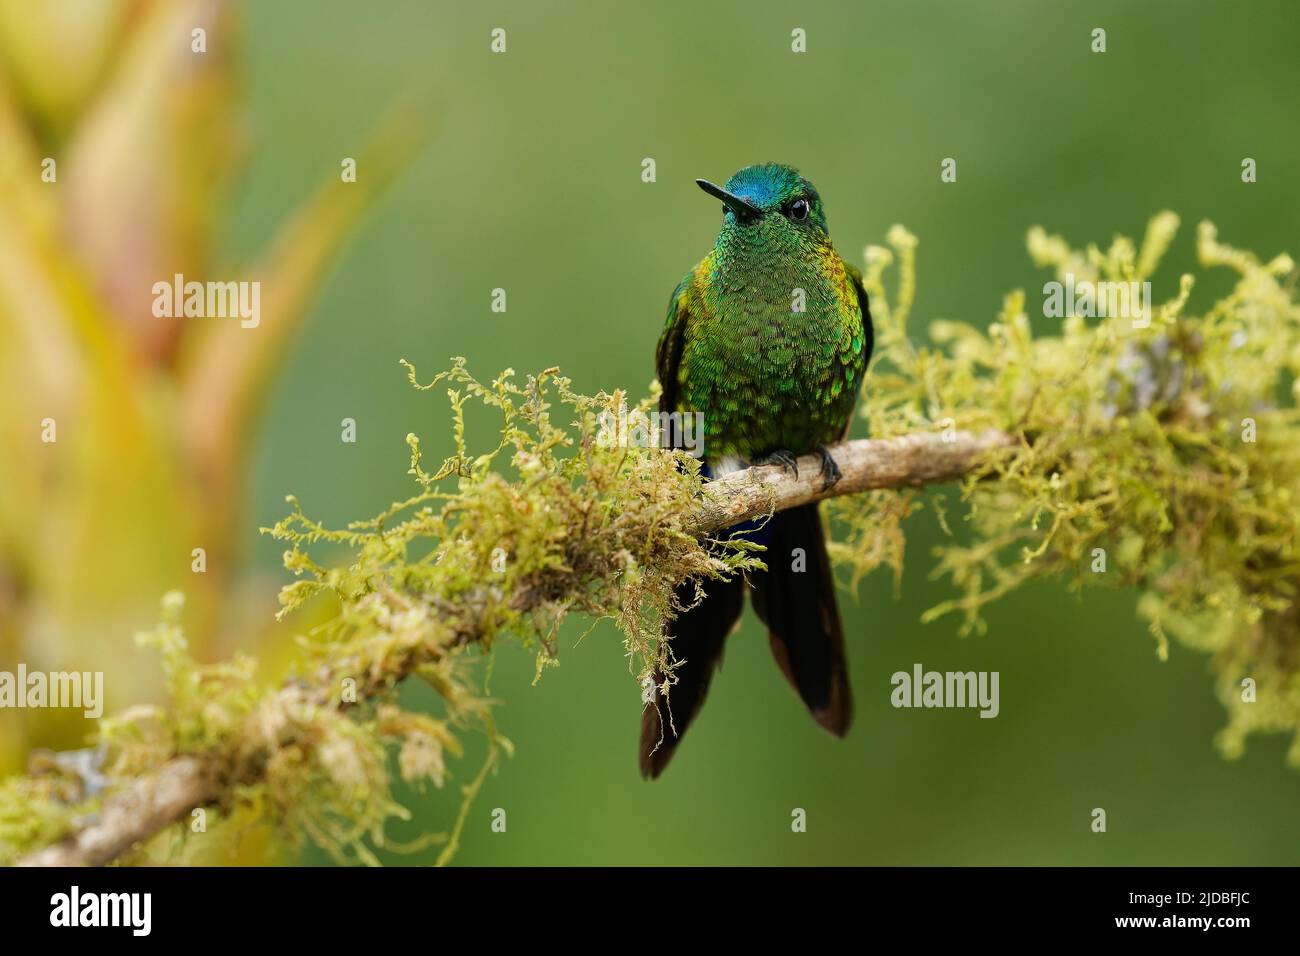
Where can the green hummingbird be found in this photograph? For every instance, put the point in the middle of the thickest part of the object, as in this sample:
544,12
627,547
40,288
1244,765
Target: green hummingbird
767,340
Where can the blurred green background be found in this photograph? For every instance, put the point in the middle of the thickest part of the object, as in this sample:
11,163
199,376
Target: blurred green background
533,184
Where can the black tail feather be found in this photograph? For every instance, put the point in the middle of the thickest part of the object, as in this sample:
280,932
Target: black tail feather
795,598
698,637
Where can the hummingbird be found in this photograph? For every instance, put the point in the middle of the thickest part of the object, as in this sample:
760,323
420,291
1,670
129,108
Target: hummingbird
767,339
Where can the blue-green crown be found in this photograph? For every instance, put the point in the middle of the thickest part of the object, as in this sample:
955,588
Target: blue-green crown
771,186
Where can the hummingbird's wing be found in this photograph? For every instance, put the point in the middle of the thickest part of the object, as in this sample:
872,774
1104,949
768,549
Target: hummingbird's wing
668,356
868,332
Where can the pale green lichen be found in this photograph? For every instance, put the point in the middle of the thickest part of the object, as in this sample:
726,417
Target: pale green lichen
1173,448
1131,441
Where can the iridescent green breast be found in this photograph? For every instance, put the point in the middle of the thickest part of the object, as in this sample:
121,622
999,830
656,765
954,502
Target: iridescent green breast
773,355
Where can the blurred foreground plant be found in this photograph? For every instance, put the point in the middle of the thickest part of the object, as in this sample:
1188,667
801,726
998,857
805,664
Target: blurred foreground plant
1164,450
152,417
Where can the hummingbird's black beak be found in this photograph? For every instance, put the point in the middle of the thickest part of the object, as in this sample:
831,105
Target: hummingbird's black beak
743,208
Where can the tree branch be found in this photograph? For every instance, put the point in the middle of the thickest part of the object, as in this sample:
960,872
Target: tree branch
147,806
865,465
144,808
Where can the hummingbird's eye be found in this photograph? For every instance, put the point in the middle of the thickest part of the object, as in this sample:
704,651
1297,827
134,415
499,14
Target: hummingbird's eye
799,210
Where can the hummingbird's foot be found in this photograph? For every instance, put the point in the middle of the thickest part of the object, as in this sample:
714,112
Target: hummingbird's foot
830,471
782,458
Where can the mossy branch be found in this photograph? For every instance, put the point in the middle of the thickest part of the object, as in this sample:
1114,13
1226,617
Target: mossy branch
149,805
1160,456
134,814
908,461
